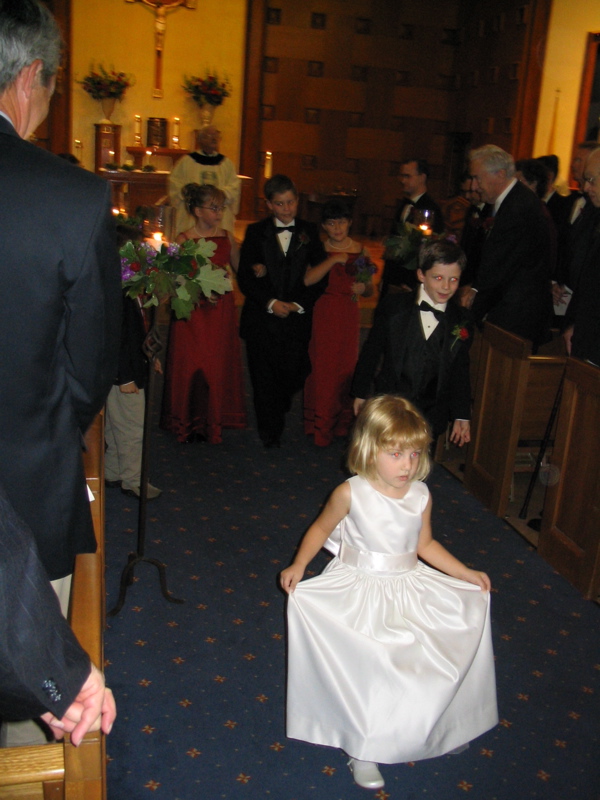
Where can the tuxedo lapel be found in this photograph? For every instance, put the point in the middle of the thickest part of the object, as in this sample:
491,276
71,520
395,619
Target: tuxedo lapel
400,338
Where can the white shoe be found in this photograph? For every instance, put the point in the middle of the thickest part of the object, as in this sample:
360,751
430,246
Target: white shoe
366,774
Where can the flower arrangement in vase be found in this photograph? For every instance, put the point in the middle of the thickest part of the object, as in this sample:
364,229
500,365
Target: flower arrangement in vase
107,87
208,93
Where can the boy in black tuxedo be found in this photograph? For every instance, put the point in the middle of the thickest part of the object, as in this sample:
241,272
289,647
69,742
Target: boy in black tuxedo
424,339
277,314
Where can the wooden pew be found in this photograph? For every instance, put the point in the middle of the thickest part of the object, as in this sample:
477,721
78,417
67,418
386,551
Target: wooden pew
61,771
570,532
514,396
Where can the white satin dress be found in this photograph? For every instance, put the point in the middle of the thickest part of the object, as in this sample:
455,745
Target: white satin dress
388,658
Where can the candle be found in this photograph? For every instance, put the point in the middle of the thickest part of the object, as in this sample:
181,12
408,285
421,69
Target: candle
175,137
156,241
268,164
148,154
137,129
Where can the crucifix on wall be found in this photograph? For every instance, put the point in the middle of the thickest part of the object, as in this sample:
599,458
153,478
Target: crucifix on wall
161,9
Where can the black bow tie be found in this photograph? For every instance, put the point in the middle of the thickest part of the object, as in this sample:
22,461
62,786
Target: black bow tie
424,306
279,229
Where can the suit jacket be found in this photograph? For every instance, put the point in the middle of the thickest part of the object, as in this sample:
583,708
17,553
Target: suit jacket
59,328
559,207
389,344
472,241
394,272
133,364
513,281
284,279
584,309
42,666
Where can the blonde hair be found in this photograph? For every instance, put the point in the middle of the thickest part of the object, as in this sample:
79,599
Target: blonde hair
388,422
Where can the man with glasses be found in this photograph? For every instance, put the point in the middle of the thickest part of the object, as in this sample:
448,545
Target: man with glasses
205,165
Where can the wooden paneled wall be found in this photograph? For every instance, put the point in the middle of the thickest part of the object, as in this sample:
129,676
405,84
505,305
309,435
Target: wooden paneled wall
342,92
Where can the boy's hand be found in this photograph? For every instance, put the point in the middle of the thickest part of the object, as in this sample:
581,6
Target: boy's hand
259,270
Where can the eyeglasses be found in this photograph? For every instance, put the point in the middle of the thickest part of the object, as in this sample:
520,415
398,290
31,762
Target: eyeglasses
591,179
215,209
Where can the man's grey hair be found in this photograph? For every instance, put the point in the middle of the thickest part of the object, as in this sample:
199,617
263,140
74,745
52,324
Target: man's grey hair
28,31
493,159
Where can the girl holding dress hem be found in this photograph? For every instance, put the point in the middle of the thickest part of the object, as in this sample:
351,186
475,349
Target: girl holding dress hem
390,658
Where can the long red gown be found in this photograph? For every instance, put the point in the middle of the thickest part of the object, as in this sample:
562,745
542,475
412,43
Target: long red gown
333,354
204,389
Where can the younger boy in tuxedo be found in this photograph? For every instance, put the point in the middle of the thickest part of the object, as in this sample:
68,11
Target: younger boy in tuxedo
422,339
277,314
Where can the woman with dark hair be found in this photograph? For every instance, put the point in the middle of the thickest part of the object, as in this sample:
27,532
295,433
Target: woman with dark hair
203,384
334,344
533,174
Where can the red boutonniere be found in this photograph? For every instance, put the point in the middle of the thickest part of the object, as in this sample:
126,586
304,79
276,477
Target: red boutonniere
303,239
488,224
460,333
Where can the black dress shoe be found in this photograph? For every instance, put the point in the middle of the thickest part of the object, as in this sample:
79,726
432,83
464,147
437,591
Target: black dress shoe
112,484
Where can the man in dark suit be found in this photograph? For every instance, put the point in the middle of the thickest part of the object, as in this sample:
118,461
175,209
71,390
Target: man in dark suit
277,314
422,340
61,283
582,334
558,205
60,324
512,289
414,173
43,670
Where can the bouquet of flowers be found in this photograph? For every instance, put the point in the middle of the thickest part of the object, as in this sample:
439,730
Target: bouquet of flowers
208,90
182,272
362,270
101,84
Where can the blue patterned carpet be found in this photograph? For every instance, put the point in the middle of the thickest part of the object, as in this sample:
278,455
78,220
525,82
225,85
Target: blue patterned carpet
200,686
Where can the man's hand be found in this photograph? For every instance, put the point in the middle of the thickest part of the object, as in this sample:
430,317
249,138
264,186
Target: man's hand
559,296
466,299
259,270
129,388
461,432
567,336
358,404
93,708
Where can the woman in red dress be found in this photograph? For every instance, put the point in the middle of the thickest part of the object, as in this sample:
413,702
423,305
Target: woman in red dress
336,322
204,390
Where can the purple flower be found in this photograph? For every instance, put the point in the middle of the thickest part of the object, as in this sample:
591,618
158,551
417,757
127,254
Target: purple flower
126,273
173,250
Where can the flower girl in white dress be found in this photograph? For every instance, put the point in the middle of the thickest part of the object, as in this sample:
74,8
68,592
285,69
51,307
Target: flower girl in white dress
389,658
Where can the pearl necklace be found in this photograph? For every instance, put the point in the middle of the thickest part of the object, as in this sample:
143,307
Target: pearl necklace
204,235
347,247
